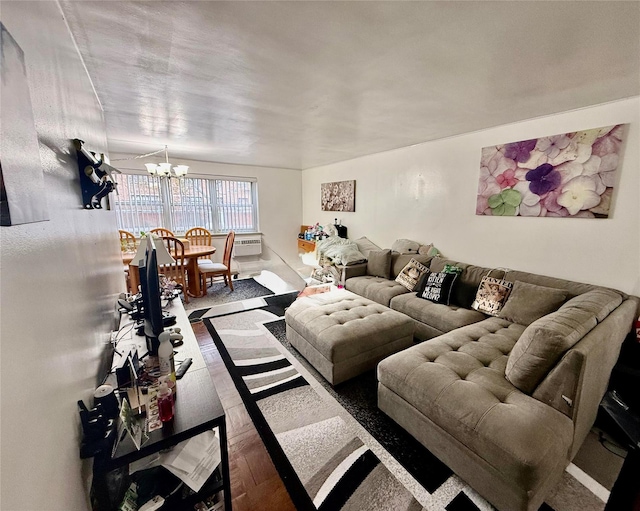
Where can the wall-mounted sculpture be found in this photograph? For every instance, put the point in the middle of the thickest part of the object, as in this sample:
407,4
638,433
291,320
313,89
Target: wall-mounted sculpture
96,176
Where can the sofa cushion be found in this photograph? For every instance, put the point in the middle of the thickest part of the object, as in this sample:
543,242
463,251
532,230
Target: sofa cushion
529,302
441,317
600,302
365,245
544,342
375,288
411,275
457,381
379,263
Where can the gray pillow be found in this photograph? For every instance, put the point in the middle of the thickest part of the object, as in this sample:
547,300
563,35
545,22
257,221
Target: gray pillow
365,245
544,342
379,263
599,301
529,302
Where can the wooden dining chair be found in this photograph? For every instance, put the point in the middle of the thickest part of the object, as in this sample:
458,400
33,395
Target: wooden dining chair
127,240
178,270
127,244
161,232
212,270
200,236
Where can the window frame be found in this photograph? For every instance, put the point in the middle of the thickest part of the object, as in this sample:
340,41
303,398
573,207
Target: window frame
166,202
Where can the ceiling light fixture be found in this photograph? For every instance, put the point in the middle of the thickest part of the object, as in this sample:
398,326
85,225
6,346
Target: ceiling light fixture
164,169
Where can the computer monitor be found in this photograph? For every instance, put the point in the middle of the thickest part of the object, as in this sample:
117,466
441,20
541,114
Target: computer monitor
151,297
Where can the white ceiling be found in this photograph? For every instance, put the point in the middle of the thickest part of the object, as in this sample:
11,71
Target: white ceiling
301,84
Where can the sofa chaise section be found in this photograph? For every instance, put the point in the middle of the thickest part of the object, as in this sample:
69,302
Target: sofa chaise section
459,394
451,394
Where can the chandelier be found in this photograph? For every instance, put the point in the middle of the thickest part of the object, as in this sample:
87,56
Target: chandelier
165,169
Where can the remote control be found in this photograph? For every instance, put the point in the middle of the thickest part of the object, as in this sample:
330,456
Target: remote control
183,368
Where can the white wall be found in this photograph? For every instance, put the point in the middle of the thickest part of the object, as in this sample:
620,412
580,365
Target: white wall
279,198
427,192
59,281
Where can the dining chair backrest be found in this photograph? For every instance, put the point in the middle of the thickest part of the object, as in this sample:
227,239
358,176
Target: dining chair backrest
228,249
162,232
199,236
127,241
176,271
126,235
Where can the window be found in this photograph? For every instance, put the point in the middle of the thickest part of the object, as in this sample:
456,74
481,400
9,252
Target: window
218,204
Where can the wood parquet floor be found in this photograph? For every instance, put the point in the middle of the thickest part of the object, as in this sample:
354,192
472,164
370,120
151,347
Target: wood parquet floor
255,483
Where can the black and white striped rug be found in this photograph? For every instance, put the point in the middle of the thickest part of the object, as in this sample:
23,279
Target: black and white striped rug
333,448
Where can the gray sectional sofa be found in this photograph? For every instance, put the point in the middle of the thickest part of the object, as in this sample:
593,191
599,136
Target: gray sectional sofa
505,405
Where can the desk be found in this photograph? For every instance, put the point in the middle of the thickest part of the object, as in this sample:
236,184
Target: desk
191,254
198,409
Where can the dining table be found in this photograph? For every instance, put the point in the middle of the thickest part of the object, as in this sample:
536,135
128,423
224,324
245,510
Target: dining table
191,255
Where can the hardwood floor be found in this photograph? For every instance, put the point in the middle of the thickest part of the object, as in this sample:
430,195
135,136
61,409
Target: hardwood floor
255,483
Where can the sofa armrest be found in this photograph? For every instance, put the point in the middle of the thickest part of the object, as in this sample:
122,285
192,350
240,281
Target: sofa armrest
353,270
576,385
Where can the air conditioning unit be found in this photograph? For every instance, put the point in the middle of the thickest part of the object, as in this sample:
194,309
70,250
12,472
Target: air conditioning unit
247,246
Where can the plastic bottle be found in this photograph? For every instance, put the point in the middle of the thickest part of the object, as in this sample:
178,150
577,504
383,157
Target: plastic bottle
165,356
170,383
166,407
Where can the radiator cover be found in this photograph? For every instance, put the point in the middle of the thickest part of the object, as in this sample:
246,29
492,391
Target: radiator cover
246,246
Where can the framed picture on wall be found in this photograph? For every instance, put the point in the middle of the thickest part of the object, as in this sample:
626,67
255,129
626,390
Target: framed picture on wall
338,196
22,197
571,175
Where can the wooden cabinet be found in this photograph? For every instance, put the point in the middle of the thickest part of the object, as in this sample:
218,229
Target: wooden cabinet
305,246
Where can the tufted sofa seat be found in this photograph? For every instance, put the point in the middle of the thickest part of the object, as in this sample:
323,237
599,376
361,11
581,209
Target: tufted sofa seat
342,334
433,319
519,439
378,289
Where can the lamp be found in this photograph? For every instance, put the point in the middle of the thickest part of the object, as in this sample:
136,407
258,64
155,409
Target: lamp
164,169
161,252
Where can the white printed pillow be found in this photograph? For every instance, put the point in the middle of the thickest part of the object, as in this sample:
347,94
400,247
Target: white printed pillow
492,295
411,274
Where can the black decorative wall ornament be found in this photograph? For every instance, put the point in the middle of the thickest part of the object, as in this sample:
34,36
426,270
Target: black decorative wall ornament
96,176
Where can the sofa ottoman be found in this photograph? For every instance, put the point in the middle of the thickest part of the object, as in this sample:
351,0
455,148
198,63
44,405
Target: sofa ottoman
343,335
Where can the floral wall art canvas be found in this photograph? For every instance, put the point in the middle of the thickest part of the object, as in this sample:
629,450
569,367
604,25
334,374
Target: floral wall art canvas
338,196
568,175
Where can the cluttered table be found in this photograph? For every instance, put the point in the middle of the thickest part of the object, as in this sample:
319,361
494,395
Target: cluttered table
197,410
